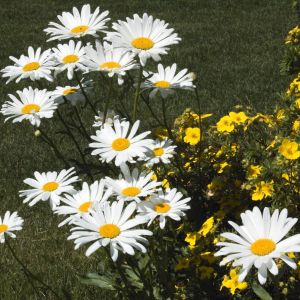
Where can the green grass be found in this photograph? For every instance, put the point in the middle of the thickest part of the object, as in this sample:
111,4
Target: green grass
234,47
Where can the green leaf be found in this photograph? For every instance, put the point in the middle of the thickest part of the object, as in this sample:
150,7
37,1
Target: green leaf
102,281
134,279
261,292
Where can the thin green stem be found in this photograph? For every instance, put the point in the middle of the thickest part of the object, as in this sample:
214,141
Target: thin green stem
81,123
85,94
137,93
48,140
107,101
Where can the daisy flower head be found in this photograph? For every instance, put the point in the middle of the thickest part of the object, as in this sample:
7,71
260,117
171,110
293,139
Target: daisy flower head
113,61
35,65
144,36
120,142
166,204
110,117
111,225
259,241
77,24
49,186
83,201
160,151
133,185
31,104
73,94
166,80
9,223
69,57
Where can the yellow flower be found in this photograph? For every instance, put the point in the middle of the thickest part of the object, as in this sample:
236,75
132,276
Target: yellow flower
262,190
225,124
253,171
296,125
165,184
280,115
192,135
204,116
291,255
215,185
238,118
289,149
205,272
233,283
297,103
223,166
191,238
206,227
183,263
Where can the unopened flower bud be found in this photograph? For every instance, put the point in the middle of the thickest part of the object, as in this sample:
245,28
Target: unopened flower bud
37,133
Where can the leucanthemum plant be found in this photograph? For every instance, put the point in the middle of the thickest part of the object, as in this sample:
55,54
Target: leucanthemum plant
156,191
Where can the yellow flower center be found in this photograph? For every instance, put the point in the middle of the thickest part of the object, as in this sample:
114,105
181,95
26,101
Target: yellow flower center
120,144
79,29
84,207
28,109
109,231
142,43
50,186
31,66
69,59
110,65
162,84
69,91
131,191
3,228
263,247
162,208
158,151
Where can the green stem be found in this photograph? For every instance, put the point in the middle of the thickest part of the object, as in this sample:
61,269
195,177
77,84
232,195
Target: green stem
28,273
107,101
75,143
85,94
81,123
137,93
47,140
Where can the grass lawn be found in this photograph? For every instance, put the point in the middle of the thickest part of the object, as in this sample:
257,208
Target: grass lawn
234,47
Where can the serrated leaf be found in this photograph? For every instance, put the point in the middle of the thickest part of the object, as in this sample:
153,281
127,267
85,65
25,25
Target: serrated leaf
261,292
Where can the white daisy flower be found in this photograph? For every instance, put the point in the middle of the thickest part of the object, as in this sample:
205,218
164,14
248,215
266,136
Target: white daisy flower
32,104
143,36
49,186
133,185
36,65
165,80
78,24
71,93
160,151
113,61
165,204
83,201
120,143
112,225
110,117
69,57
259,242
9,223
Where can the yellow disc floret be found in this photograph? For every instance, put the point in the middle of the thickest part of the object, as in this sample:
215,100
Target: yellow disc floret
50,186
3,228
131,191
142,43
158,151
263,247
162,208
31,66
71,58
162,84
28,109
80,29
120,144
109,231
110,65
84,207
